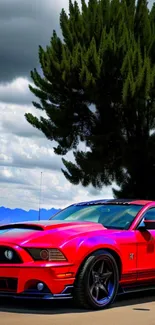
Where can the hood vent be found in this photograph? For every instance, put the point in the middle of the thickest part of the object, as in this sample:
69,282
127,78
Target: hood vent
21,226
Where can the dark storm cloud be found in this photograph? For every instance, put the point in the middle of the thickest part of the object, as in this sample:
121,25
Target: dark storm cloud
24,25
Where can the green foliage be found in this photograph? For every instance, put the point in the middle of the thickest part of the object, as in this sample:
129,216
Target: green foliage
98,87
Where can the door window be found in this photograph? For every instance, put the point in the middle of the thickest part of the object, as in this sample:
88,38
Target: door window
150,214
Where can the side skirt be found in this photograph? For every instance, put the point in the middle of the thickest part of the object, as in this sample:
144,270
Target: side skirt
136,288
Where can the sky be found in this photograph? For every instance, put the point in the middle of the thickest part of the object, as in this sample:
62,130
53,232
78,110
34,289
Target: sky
24,151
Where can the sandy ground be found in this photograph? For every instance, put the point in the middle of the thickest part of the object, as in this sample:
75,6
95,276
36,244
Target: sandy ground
134,310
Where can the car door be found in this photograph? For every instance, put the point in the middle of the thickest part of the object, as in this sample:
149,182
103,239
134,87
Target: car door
146,250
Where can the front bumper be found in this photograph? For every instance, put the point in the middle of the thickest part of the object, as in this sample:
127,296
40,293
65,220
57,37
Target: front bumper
20,282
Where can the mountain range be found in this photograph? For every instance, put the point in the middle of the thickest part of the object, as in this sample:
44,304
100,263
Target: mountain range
18,215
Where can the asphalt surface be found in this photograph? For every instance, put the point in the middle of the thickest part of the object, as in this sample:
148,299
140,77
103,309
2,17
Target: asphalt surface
130,310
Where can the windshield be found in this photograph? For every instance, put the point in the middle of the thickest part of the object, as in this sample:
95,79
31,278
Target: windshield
110,216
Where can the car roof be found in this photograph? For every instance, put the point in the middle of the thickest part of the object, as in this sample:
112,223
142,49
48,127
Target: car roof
116,201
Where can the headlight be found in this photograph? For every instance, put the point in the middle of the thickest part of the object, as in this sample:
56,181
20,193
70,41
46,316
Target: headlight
53,254
8,254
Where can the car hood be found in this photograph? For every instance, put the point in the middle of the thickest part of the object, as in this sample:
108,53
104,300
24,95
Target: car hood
44,233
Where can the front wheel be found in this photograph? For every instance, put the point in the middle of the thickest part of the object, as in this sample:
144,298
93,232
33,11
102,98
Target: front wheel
97,283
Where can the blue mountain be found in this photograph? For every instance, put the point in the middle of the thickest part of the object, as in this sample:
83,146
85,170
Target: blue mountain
18,215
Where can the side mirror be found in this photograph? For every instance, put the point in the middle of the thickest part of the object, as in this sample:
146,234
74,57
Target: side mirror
149,223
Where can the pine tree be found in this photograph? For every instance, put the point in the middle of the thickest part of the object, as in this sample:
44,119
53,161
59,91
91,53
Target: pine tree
98,88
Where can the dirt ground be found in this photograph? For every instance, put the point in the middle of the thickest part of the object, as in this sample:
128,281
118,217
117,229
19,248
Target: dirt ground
138,309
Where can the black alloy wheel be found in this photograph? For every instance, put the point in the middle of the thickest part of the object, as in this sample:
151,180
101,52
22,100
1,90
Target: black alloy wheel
97,284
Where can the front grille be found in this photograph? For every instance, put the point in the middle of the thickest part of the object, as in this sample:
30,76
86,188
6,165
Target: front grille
4,260
8,285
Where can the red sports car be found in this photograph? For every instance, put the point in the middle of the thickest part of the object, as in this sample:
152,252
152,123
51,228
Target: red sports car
91,252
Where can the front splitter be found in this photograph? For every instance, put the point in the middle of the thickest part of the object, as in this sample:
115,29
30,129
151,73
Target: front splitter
66,294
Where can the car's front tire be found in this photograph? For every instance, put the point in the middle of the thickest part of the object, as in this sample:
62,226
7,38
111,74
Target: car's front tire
97,283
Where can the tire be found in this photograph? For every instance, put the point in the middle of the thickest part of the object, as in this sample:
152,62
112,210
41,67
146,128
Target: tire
89,289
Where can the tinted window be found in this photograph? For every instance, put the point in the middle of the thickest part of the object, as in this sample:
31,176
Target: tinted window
150,214
110,216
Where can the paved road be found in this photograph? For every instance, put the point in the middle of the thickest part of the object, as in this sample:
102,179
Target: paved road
137,310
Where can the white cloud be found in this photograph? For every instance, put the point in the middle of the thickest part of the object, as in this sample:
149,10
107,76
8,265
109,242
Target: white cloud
20,188
13,122
16,92
25,152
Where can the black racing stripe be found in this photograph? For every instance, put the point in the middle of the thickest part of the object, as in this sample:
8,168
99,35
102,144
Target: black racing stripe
108,201
114,201
121,200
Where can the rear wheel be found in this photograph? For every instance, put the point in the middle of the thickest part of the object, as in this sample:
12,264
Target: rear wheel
97,283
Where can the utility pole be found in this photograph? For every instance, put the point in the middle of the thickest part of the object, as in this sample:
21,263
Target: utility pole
40,192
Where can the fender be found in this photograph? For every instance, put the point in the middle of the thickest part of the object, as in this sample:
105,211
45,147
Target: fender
89,245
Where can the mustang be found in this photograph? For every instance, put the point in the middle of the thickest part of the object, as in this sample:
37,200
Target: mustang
90,251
